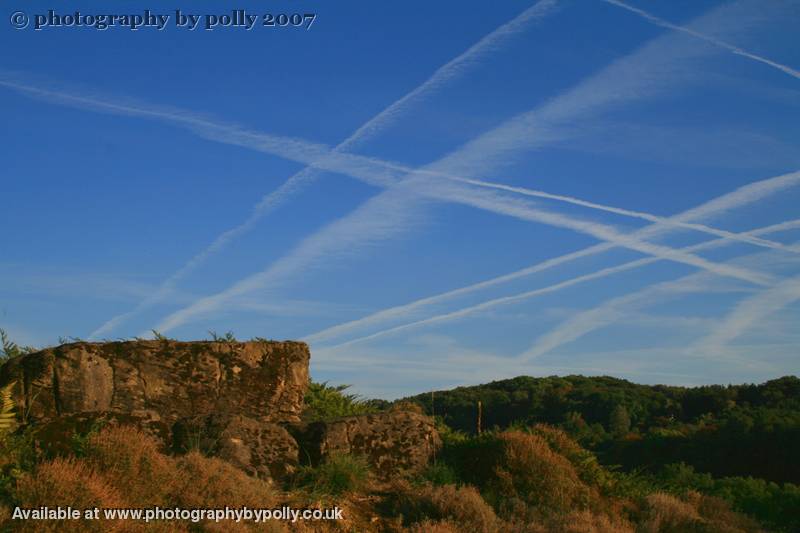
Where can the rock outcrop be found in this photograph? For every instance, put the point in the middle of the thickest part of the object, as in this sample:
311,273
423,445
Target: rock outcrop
395,442
163,380
261,449
232,400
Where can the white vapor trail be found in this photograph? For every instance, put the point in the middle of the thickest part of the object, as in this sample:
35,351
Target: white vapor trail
781,294
722,44
644,72
490,304
386,174
446,73
744,195
339,234
748,312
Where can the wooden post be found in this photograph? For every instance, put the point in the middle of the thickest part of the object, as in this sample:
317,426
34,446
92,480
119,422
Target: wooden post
480,408
433,415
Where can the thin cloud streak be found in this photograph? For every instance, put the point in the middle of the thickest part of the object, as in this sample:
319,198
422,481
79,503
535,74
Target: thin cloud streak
647,71
614,309
717,42
370,170
305,177
742,196
748,312
506,300
340,232
333,161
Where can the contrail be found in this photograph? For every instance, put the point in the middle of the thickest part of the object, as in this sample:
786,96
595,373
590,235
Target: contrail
744,195
340,233
610,311
363,168
722,44
650,68
630,213
448,72
748,312
551,288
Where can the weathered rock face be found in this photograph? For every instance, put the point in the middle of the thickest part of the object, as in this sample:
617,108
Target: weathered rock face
163,381
261,449
394,442
232,400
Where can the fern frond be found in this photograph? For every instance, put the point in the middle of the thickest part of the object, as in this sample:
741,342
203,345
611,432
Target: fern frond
7,417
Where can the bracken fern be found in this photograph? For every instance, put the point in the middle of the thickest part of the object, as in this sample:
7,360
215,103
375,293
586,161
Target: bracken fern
7,417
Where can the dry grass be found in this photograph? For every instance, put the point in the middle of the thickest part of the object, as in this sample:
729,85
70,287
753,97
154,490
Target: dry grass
534,479
432,526
587,522
664,513
462,506
130,460
720,517
67,483
532,472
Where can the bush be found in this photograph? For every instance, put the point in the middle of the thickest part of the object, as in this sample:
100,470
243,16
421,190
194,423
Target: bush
337,475
440,474
433,526
584,461
460,506
131,461
325,402
66,482
665,513
207,482
588,522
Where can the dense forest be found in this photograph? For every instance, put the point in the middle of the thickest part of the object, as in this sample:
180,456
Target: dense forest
723,430
737,441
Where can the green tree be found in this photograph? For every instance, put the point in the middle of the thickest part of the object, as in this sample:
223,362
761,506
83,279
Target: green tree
620,421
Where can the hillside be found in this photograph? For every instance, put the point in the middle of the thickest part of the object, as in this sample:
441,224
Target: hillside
210,425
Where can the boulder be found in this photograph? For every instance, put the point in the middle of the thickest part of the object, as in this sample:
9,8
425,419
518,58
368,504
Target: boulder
65,435
395,442
262,449
163,380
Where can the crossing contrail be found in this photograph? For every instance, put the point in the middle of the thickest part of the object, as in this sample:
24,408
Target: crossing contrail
296,183
742,196
362,167
717,42
781,294
748,312
506,300
646,71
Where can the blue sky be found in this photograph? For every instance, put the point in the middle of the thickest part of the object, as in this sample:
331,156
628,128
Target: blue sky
430,194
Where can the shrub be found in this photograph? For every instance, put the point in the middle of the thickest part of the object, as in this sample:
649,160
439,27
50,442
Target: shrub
588,522
337,475
719,516
66,482
584,461
325,402
411,407
529,470
207,482
460,506
665,513
440,474
131,461
210,482
432,526
9,349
